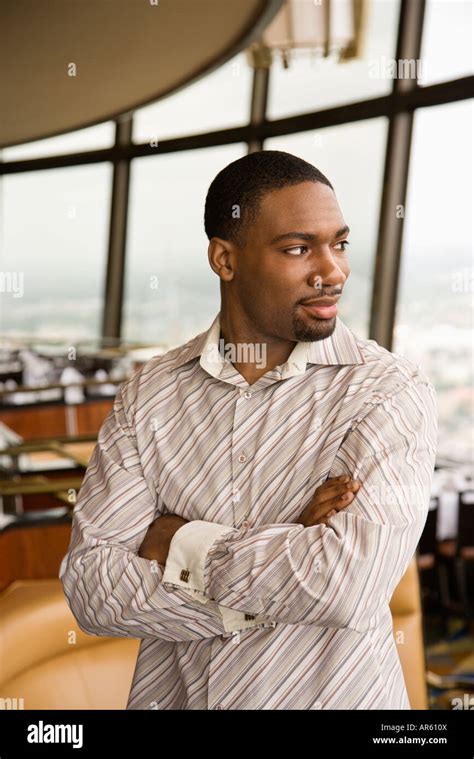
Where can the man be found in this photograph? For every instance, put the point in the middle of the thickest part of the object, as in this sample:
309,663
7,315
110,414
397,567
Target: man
198,528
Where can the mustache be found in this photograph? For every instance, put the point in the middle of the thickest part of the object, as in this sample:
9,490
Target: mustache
326,293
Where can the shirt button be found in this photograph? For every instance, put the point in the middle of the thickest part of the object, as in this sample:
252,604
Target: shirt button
245,524
219,706
247,395
242,458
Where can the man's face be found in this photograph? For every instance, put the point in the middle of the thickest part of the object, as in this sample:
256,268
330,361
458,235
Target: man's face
293,254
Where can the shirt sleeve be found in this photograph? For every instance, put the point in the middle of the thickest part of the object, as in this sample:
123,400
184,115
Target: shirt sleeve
110,589
344,573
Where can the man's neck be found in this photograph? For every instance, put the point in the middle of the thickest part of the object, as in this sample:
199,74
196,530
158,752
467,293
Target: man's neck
274,351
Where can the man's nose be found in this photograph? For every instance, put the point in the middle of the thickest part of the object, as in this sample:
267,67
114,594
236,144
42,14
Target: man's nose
327,272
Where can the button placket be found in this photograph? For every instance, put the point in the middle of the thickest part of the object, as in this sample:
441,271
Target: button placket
240,456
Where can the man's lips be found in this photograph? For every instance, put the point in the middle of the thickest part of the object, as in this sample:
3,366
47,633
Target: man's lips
324,308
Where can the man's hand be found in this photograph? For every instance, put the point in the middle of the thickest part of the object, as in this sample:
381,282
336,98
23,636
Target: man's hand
157,540
329,498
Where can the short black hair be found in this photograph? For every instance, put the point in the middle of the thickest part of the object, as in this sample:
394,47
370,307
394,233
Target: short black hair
234,196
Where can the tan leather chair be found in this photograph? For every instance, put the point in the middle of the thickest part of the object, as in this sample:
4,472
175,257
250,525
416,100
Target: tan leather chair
408,630
41,664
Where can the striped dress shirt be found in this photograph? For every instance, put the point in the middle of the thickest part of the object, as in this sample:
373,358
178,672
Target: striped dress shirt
252,610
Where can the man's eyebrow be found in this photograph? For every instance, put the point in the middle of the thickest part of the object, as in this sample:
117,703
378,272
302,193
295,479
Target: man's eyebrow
308,236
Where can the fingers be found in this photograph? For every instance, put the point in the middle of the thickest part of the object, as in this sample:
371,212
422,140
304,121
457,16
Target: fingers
331,507
318,512
324,520
333,489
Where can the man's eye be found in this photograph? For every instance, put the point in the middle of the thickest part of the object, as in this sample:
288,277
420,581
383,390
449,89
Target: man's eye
296,250
344,243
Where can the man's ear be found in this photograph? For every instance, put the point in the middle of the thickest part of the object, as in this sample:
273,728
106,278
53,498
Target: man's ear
221,254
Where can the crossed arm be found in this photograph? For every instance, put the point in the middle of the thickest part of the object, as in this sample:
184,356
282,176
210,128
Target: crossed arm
336,573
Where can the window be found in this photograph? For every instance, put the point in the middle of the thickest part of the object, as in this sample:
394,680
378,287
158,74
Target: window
311,83
434,314
217,101
352,158
92,138
171,291
446,51
53,238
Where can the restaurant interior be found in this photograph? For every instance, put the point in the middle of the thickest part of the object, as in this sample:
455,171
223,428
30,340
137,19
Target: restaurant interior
115,121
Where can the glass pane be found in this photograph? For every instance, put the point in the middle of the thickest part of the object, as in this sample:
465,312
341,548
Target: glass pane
171,291
217,101
446,51
434,314
312,83
53,235
92,138
352,157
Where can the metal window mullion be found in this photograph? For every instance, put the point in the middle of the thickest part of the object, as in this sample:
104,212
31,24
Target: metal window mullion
114,281
386,105
390,233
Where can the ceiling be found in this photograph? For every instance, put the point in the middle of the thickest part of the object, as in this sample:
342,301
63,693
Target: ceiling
124,54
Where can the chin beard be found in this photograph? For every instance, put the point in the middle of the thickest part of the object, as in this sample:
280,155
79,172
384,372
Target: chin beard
308,333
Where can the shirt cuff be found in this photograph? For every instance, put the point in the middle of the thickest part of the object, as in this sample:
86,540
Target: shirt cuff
187,554
185,569
235,621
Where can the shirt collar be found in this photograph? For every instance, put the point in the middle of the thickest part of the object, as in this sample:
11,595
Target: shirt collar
340,348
